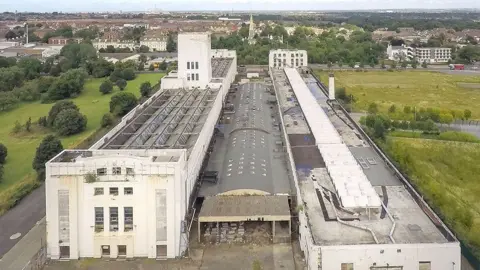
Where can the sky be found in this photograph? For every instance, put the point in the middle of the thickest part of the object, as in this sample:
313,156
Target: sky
182,5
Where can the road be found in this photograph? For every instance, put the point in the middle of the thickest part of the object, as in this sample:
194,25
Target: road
472,129
21,219
440,68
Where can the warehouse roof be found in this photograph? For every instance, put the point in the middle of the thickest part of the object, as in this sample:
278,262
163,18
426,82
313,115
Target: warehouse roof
249,157
220,67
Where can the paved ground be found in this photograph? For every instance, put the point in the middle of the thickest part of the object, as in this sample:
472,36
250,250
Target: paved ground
25,249
21,219
278,256
472,129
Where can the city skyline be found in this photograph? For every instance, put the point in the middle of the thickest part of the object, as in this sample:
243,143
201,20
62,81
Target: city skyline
239,5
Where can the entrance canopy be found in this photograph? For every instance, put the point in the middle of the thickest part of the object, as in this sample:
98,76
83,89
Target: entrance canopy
245,208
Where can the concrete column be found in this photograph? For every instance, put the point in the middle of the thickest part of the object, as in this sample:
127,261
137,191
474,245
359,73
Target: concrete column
290,227
273,228
199,235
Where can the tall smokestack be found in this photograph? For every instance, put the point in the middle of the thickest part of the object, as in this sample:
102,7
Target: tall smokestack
27,31
331,86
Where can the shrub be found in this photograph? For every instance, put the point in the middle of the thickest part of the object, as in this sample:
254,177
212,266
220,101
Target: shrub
122,103
57,108
70,122
3,153
121,83
17,128
107,120
128,74
48,148
151,67
106,87
1,173
145,89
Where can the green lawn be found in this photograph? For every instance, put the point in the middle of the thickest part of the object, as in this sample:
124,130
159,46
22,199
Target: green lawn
450,182
21,148
410,88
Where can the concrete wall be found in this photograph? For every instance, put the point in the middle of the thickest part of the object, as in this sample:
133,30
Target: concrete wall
193,48
442,256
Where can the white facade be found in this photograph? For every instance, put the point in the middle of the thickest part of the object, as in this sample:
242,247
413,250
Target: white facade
155,44
433,55
287,58
145,214
194,54
398,53
103,44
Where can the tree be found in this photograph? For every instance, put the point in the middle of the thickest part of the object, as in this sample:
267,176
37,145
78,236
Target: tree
116,75
467,114
128,74
106,87
110,49
372,108
404,64
446,118
171,45
121,83
141,66
430,125
407,109
7,101
69,122
123,102
424,64
379,129
107,120
393,65
17,127
3,153
48,148
383,64
57,108
28,124
151,67
77,55
1,172
163,65
10,35
414,64
10,78
31,67
143,49
145,89
392,109
101,68
370,120
69,84
6,62
142,58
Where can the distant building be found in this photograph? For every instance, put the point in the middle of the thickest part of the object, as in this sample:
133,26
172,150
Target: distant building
104,43
42,32
112,35
398,53
287,58
155,44
433,55
64,40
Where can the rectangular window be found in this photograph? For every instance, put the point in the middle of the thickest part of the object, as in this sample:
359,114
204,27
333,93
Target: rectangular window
114,191
128,215
99,219
424,266
192,65
188,65
128,191
347,266
122,250
196,65
130,171
116,170
196,76
105,250
188,76
102,171
98,191
193,76
113,219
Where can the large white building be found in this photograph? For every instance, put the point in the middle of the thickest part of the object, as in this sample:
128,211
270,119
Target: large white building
281,58
104,43
128,195
155,44
428,55
354,213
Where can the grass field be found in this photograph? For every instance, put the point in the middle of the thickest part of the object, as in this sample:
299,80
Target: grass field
450,182
21,147
410,88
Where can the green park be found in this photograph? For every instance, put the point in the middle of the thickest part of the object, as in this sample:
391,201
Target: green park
19,178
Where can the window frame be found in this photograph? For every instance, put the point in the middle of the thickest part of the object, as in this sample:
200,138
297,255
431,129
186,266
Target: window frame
113,218
127,218
95,193
117,170
111,191
101,171
99,219
125,192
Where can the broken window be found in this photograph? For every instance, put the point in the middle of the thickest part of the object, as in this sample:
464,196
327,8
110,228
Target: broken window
116,170
99,219
102,171
114,191
113,219
98,191
128,215
128,191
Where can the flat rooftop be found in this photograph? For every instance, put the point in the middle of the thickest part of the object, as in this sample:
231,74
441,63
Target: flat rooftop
72,156
172,120
248,152
321,202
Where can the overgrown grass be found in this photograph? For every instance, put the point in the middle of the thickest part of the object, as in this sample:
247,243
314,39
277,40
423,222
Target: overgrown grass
446,173
22,146
409,88
456,136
